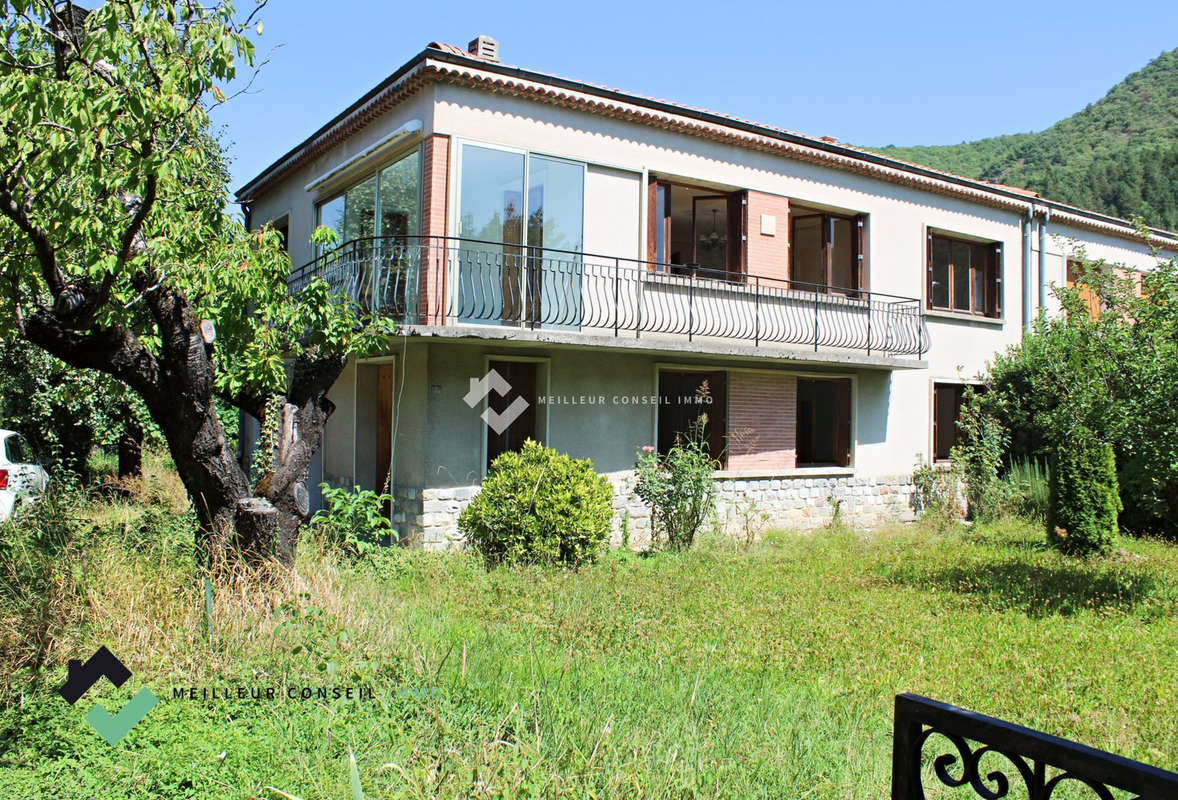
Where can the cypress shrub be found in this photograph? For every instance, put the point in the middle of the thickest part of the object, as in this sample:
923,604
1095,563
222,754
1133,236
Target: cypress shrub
1084,499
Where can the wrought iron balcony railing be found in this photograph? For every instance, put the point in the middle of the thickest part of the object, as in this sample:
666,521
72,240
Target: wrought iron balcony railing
490,283
989,758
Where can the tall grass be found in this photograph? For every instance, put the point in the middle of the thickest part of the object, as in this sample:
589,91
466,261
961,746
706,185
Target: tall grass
1029,488
720,672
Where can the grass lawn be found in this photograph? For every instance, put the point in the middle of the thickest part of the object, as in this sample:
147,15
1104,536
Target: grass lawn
717,673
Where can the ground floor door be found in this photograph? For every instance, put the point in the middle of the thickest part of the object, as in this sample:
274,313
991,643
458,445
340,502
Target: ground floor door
523,376
384,430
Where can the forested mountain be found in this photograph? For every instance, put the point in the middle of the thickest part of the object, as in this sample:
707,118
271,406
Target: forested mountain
1119,155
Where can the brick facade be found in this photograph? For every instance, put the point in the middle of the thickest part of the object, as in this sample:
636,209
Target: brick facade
768,255
435,214
762,413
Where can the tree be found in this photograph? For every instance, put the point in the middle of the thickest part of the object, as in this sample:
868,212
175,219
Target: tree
62,412
1109,378
119,257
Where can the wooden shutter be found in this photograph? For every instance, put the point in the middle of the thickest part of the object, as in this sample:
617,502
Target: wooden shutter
928,255
936,420
737,208
842,421
994,285
862,274
718,415
652,221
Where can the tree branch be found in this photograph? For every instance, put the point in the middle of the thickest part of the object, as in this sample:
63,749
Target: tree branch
46,256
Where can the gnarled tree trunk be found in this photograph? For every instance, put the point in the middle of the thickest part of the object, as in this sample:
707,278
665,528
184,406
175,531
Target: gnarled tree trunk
177,384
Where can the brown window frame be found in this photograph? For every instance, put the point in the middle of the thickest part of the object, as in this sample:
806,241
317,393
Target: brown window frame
991,306
658,243
958,392
859,263
675,413
842,434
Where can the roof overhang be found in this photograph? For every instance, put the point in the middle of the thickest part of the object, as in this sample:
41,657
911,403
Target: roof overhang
436,65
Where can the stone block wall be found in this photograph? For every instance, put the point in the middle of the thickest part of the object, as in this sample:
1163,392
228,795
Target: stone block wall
428,518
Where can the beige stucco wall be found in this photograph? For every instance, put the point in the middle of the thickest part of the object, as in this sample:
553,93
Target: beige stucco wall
439,437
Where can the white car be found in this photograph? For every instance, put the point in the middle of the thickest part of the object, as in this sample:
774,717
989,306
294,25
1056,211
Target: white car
20,480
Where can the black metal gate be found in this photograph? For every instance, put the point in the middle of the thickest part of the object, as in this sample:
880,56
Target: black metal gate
1019,762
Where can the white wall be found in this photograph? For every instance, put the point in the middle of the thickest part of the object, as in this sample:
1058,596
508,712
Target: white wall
893,409
613,212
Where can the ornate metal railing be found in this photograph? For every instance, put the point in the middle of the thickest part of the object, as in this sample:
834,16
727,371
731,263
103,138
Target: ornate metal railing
1018,762
475,282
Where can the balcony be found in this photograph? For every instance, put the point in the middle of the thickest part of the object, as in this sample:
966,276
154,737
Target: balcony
485,283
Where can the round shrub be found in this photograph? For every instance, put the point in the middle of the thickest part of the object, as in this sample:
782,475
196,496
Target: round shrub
539,506
1084,499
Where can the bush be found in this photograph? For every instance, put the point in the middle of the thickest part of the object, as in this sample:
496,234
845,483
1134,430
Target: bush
353,520
983,442
539,506
1113,376
935,498
678,487
1082,515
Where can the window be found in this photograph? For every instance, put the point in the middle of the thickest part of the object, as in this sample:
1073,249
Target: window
964,276
387,203
523,265
827,251
947,401
282,228
824,422
685,397
696,230
14,449
1087,293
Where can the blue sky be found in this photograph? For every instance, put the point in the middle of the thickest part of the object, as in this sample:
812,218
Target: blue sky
869,73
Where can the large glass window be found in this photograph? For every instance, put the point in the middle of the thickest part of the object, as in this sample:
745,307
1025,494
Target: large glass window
387,203
696,230
400,197
524,265
491,195
360,211
964,276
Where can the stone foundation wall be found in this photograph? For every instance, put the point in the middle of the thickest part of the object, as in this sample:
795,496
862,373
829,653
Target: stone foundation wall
428,518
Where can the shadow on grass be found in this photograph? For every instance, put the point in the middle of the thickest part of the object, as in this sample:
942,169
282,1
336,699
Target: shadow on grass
1042,590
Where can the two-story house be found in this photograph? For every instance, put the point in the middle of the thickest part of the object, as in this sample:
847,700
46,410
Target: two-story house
622,263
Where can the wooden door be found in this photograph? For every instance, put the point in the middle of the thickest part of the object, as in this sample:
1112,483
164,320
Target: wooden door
385,375
522,375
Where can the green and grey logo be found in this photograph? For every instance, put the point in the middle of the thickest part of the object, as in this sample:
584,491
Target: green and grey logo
103,664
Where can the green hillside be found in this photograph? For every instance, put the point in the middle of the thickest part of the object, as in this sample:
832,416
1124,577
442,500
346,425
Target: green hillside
1119,155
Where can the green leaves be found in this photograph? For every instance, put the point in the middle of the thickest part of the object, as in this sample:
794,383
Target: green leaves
539,506
678,487
1109,377
125,123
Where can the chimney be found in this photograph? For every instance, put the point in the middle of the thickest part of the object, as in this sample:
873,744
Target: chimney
484,47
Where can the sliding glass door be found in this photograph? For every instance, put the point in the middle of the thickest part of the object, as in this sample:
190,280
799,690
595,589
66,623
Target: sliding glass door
491,212
513,273
556,196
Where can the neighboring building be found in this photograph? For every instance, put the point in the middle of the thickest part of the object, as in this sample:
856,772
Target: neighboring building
613,257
